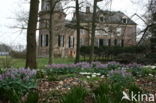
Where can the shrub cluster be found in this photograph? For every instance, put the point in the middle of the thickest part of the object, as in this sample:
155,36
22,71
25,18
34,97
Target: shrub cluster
125,54
18,54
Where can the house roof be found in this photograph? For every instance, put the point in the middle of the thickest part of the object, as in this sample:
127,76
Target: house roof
110,17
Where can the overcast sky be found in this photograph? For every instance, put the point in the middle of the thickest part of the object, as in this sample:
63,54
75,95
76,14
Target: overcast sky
9,9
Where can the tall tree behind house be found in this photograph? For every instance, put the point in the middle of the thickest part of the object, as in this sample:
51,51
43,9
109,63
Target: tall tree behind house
31,34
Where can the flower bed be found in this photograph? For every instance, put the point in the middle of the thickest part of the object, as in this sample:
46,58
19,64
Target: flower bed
57,80
15,83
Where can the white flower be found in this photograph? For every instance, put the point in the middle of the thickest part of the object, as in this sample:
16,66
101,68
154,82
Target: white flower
102,76
98,74
150,66
153,67
93,75
84,73
88,77
150,75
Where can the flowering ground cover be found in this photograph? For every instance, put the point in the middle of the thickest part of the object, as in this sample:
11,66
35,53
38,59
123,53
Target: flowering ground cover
76,83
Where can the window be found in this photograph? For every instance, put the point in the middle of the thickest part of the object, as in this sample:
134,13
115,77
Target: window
118,31
102,32
41,40
44,40
47,40
124,20
60,40
115,42
119,42
82,31
71,41
103,42
47,6
101,19
106,31
109,42
122,43
81,41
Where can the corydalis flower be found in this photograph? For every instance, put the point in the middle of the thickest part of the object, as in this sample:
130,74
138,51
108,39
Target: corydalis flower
113,63
134,65
18,74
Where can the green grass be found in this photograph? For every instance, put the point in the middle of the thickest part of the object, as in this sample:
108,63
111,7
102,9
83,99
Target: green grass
41,62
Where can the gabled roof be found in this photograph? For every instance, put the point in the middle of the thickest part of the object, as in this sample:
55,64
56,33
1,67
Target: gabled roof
110,17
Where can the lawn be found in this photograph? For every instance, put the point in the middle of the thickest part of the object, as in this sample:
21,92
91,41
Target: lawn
41,62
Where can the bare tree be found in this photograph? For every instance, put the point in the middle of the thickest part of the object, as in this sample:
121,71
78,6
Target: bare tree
78,32
152,8
51,35
93,31
31,35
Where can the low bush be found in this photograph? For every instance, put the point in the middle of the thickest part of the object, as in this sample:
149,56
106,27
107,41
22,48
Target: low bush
18,54
126,58
106,53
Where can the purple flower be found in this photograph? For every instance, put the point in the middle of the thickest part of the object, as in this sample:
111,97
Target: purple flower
133,65
18,74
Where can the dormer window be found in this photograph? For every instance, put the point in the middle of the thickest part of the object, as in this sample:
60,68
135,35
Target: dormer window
101,19
124,20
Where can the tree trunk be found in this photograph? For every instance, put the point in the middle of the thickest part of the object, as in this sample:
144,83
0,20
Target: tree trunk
153,30
51,34
93,32
31,34
78,33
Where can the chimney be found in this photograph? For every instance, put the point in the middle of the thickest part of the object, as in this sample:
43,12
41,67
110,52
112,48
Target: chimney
87,9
